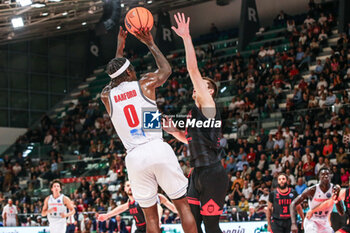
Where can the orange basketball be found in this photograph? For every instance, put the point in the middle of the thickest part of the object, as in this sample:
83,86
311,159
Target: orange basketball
137,18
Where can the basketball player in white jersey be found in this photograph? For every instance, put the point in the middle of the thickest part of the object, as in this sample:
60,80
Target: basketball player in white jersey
9,214
55,208
150,161
316,194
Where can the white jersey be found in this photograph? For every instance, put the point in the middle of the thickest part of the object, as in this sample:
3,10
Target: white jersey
59,207
318,198
128,106
11,213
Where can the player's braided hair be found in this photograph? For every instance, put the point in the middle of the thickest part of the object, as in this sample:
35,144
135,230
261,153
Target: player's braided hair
114,65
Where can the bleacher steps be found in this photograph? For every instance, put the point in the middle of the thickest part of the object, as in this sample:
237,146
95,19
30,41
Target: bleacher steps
75,93
82,86
59,109
91,79
333,40
98,71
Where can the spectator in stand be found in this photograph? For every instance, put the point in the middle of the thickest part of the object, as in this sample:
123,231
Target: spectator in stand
301,186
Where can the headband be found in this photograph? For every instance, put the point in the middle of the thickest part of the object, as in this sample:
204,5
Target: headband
121,70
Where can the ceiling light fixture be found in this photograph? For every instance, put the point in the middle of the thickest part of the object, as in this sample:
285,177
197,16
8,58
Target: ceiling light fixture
83,23
58,27
122,5
65,13
45,14
54,0
17,22
149,2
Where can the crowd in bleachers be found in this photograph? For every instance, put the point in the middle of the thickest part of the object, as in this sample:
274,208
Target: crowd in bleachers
315,131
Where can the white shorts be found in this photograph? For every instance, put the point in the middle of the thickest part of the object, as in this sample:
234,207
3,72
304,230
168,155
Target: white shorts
11,222
58,227
153,164
318,225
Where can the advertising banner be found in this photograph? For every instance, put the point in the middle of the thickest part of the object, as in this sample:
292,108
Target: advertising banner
226,227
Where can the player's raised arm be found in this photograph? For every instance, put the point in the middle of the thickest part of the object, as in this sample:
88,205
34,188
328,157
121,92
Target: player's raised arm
118,210
203,95
159,77
121,42
308,193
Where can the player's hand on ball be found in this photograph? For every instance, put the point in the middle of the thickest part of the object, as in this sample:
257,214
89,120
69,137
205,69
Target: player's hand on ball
294,228
102,217
309,214
145,36
122,34
183,26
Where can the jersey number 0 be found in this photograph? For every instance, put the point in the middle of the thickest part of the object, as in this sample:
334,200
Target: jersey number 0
131,115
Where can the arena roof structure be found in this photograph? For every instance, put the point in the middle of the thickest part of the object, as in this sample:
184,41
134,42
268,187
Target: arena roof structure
27,19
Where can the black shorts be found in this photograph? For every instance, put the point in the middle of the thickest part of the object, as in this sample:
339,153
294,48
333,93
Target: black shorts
207,187
345,229
281,225
143,230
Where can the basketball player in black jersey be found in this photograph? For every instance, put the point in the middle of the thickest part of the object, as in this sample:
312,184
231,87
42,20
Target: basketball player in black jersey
208,181
278,214
135,209
338,196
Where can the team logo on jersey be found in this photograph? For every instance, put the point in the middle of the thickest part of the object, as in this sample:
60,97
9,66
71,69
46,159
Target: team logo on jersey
58,201
328,195
291,195
151,119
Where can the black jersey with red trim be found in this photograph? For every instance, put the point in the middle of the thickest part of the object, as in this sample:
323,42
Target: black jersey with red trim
203,137
137,213
281,201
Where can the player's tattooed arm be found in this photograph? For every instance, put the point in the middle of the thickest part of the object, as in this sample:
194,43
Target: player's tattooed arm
308,193
121,42
160,76
105,98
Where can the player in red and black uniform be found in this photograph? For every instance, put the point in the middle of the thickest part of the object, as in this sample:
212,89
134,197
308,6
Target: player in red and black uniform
278,214
338,196
135,209
208,182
